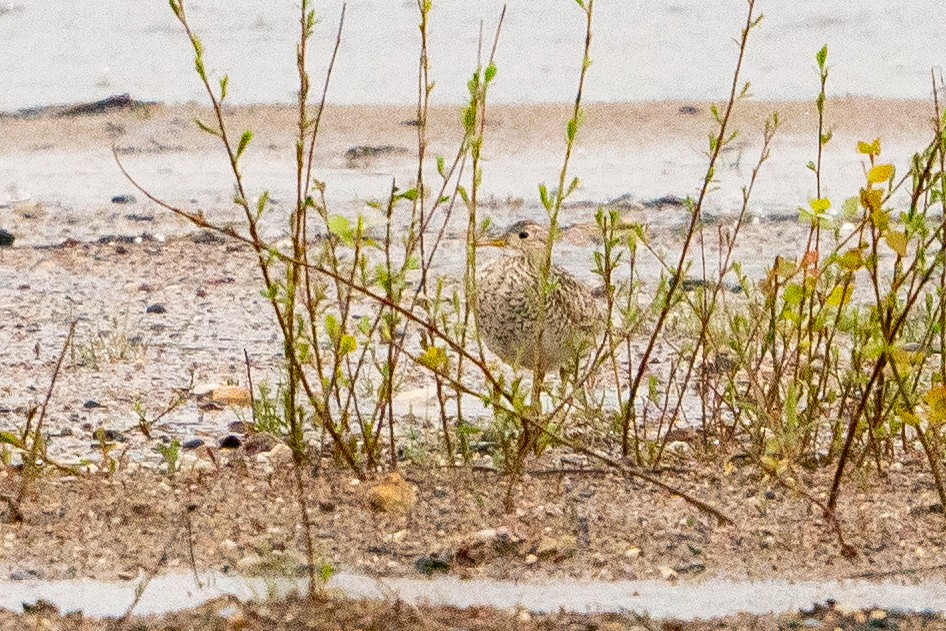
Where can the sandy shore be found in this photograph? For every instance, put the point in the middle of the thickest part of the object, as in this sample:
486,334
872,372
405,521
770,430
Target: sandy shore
76,257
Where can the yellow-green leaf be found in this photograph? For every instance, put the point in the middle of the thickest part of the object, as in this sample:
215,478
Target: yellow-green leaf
840,295
869,148
346,345
434,358
881,173
897,241
852,260
936,400
871,199
819,206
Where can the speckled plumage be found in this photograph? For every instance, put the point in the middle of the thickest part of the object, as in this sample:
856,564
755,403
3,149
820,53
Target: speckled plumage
507,309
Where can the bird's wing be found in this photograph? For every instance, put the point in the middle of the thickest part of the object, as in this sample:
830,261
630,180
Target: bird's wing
576,300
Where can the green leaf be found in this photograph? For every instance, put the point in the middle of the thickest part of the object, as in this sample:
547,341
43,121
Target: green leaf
340,227
572,187
261,203
490,72
544,197
332,328
326,571
223,87
206,128
10,439
440,166
244,143
822,56
410,194
793,294
850,210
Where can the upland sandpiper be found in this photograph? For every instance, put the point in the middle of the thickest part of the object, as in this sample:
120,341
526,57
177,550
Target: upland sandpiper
510,299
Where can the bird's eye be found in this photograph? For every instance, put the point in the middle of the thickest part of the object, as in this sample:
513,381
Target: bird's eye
523,235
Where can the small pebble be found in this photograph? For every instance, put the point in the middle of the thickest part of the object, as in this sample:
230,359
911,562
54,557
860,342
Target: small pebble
123,199
156,308
6,239
230,442
92,404
193,443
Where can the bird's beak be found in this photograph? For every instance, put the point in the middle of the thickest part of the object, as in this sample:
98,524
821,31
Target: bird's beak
495,243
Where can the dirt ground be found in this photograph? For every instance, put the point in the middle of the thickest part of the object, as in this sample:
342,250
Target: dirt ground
329,614
588,524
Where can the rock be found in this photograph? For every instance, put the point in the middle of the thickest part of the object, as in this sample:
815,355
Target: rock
42,608
124,199
688,110
279,456
239,427
357,156
579,461
668,573
484,545
531,559
230,442
115,102
231,395
156,308
258,443
91,405
193,443
203,389
692,568
139,217
431,564
233,615
25,575
632,553
109,435
206,237
558,548
6,239
392,495
249,564
191,464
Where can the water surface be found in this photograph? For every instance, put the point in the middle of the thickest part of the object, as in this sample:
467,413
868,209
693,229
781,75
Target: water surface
53,52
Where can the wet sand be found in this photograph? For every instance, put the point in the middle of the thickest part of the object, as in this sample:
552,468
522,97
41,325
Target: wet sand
644,150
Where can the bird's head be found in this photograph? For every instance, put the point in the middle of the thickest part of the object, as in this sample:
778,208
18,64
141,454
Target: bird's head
523,237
